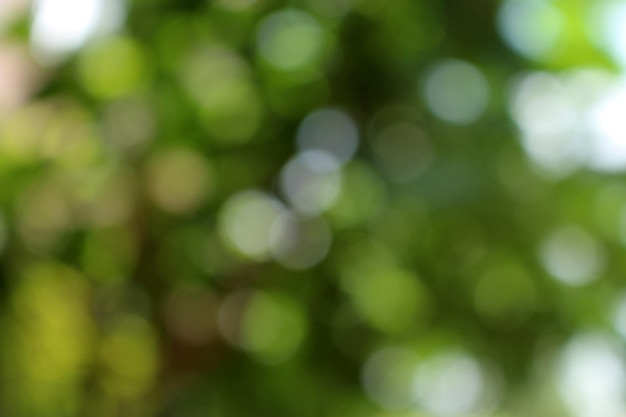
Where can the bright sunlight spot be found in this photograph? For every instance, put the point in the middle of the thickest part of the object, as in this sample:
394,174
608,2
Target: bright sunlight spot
573,256
451,384
573,120
63,26
456,92
246,221
530,27
591,377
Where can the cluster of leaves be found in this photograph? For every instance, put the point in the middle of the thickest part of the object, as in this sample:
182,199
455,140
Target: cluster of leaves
129,283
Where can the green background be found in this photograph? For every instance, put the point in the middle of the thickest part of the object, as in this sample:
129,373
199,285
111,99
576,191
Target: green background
439,271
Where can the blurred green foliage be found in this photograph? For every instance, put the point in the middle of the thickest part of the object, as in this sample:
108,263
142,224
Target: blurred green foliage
325,208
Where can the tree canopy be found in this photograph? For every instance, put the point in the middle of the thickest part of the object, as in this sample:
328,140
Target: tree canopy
312,208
